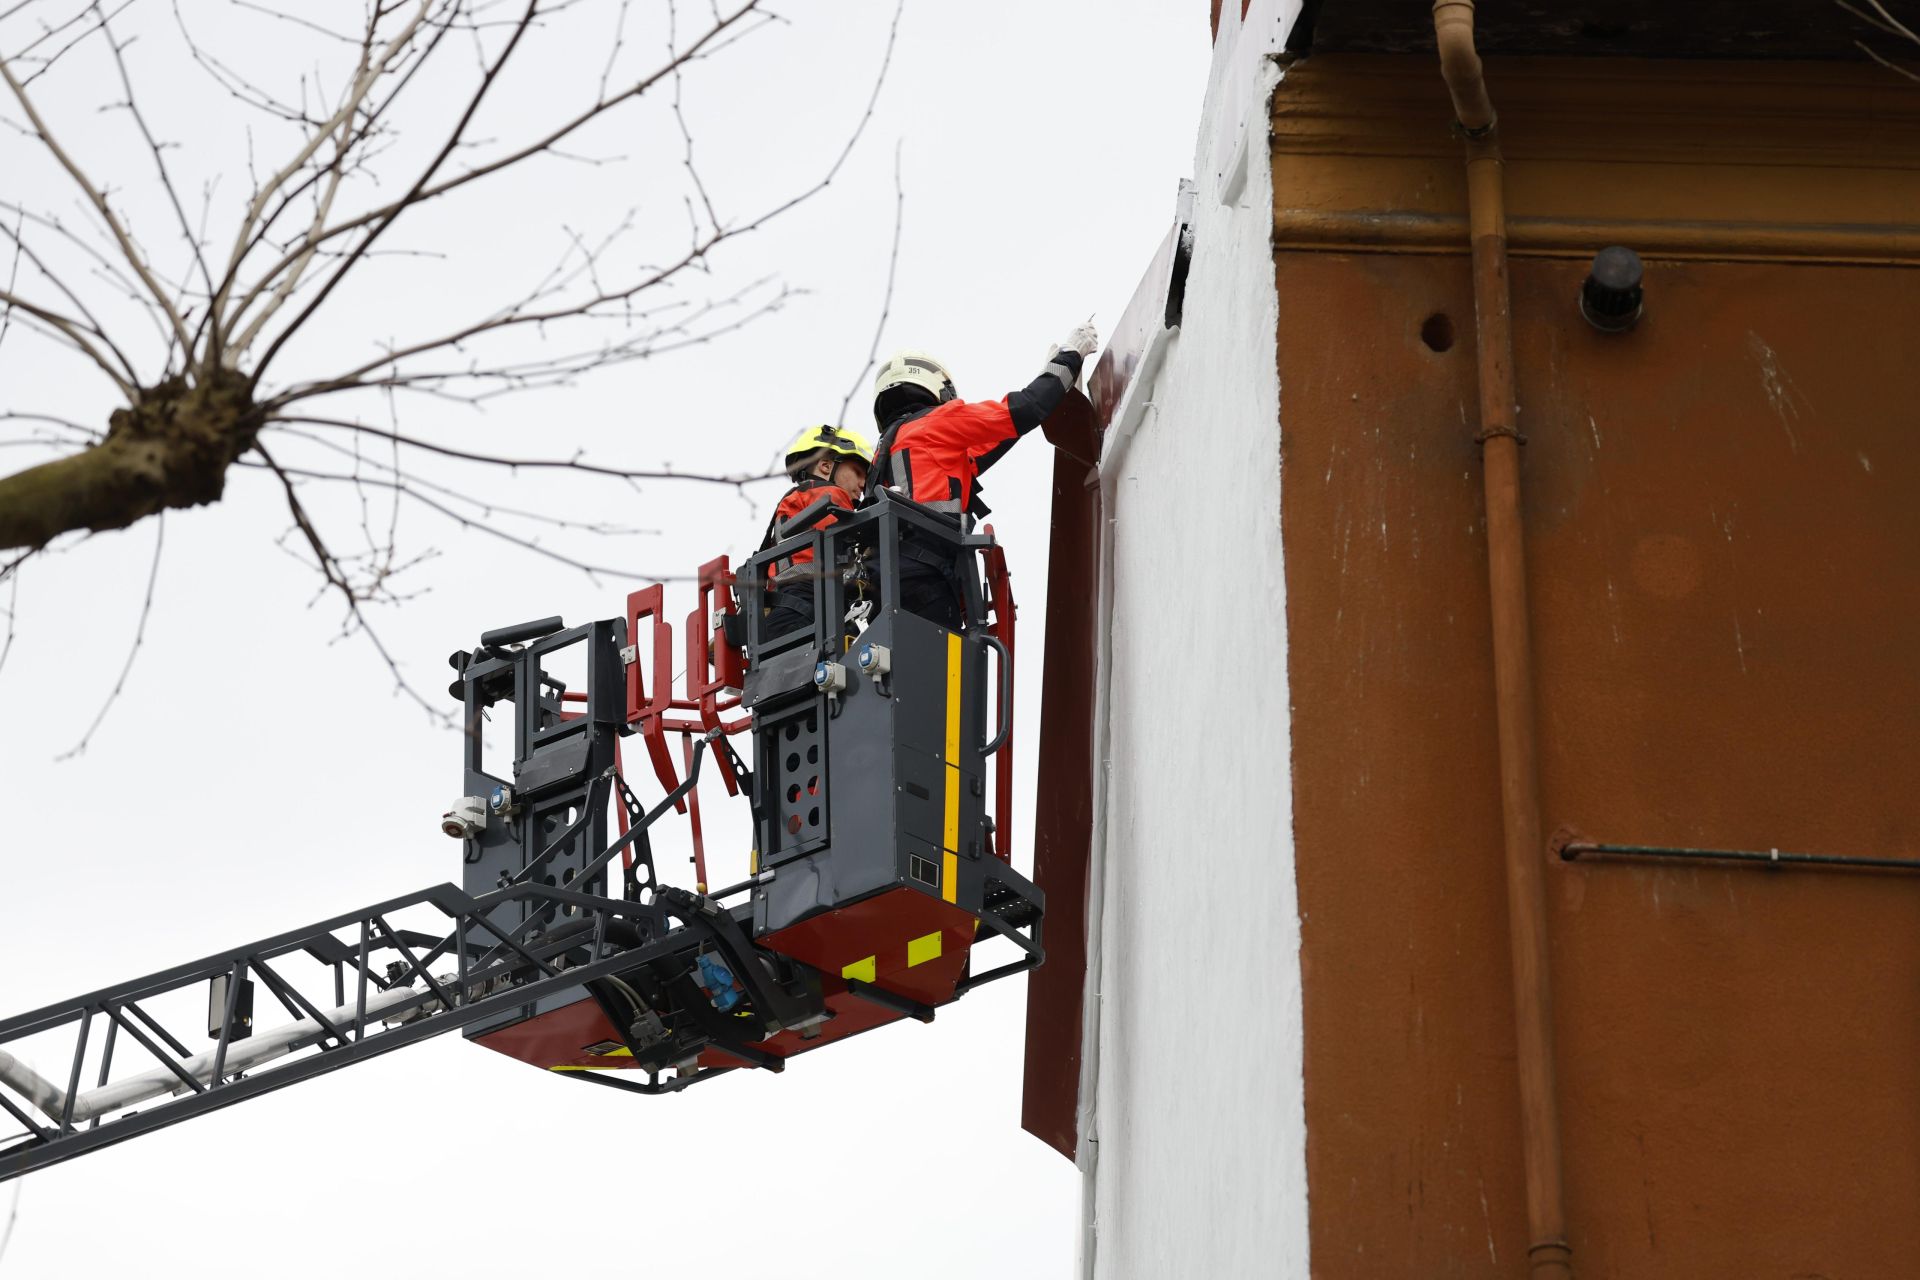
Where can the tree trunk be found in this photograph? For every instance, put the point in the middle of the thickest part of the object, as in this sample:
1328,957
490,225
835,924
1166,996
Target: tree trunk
171,448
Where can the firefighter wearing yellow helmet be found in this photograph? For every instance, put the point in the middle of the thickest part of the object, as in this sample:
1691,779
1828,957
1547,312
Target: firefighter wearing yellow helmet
828,466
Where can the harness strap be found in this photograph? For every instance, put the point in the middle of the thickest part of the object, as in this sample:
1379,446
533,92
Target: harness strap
912,550
880,476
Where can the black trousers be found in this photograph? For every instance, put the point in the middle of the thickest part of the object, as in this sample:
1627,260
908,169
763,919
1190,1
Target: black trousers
932,592
791,609
788,609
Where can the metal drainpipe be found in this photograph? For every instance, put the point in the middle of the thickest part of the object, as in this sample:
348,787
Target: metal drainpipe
1548,1253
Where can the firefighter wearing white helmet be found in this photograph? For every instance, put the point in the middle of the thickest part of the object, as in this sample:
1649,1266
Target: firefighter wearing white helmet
913,369
934,445
829,469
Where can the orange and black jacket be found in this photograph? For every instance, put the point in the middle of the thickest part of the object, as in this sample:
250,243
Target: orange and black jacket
798,499
935,454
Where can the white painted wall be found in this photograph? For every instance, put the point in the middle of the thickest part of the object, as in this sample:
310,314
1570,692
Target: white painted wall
1193,1125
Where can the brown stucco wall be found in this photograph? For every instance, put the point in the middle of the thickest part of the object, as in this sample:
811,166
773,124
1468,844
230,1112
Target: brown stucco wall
1724,568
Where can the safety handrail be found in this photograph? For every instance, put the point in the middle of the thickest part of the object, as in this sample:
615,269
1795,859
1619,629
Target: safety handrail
1005,708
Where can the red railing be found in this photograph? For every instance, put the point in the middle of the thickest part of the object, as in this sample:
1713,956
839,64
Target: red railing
715,669
714,673
1002,609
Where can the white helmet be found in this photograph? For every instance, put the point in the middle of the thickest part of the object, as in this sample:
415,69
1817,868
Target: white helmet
914,369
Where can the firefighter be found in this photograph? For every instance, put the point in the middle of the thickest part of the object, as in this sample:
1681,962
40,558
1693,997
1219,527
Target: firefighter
934,445
828,465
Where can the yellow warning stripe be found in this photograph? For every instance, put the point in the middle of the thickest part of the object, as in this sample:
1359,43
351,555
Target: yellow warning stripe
949,860
863,970
953,698
922,949
621,1052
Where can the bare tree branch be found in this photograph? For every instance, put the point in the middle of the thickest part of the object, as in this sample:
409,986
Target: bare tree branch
516,464
886,299
415,195
132,106
594,572
107,267
99,201
236,85
47,62
485,506
564,369
424,189
297,21
85,432
648,343
92,325
13,1217
139,638
331,570
12,612
73,332
13,278
371,67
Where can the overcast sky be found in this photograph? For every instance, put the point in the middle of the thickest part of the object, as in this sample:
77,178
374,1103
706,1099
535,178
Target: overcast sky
259,772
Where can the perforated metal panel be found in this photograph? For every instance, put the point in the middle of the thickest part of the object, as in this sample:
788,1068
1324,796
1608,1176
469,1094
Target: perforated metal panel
797,756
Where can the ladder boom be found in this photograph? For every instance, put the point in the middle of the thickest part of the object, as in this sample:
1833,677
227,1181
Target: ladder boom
377,1005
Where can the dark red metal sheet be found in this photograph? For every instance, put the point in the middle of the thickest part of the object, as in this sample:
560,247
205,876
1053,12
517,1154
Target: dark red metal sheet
1063,799
555,1038
851,1016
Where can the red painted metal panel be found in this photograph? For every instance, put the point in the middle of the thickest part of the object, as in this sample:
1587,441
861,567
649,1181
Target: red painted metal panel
1063,804
558,1037
713,667
649,706
1000,601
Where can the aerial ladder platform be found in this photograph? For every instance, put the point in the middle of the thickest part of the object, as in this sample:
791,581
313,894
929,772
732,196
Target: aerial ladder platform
880,884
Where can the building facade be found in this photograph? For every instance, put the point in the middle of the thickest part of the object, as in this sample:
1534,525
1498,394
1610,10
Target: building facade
1321,1031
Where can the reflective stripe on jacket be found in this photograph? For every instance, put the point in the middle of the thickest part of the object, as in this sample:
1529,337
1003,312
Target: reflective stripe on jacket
935,455
935,458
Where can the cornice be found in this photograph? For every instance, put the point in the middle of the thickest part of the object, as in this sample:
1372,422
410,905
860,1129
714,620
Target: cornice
1796,161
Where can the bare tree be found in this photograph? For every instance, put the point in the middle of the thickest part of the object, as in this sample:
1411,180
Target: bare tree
193,337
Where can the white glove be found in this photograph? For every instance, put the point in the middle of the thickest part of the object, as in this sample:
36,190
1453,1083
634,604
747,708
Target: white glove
1083,339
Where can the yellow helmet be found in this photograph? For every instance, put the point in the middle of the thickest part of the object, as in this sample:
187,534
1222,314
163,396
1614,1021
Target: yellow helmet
807,446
